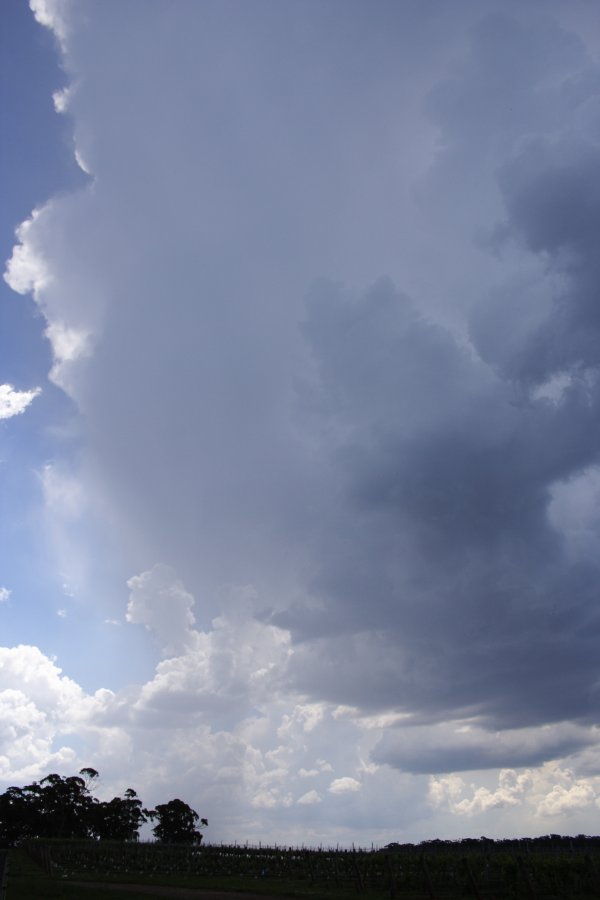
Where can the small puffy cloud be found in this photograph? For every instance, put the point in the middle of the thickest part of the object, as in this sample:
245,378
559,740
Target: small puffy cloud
309,799
13,402
265,800
305,717
271,799
62,98
4,594
565,800
344,786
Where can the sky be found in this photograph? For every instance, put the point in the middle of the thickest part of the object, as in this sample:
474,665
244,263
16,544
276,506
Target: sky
300,411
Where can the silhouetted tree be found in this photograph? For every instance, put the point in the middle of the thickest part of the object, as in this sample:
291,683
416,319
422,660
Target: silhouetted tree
118,819
53,807
64,807
17,816
176,823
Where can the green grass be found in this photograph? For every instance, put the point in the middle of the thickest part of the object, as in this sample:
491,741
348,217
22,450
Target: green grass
27,881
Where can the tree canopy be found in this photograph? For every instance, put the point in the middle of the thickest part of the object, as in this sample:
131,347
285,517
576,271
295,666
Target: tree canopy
59,806
176,823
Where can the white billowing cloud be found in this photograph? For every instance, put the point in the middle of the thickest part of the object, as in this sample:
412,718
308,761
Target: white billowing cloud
70,297
236,747
449,791
159,601
4,594
54,14
68,345
344,785
445,790
248,767
562,800
235,666
27,271
549,791
26,668
13,402
214,725
41,707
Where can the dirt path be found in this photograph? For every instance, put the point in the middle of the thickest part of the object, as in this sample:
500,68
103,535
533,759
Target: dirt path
175,893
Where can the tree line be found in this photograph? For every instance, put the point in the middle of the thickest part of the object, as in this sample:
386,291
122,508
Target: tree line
63,807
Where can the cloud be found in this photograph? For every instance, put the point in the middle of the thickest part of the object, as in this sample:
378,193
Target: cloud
54,14
442,585
4,594
26,270
455,747
547,792
329,326
309,799
13,402
344,785
509,792
567,800
159,601
39,706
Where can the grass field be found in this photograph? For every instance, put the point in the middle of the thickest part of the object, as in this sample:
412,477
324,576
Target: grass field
28,881
50,869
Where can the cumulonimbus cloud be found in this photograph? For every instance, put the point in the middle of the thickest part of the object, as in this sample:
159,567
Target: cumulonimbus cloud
386,466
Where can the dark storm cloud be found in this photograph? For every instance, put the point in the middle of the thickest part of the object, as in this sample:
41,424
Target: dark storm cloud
446,749
440,557
553,206
439,562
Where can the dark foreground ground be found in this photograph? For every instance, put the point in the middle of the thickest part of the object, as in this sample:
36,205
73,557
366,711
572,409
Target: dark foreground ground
162,890
561,869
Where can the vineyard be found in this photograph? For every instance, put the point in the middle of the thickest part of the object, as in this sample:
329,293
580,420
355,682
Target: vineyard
435,870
